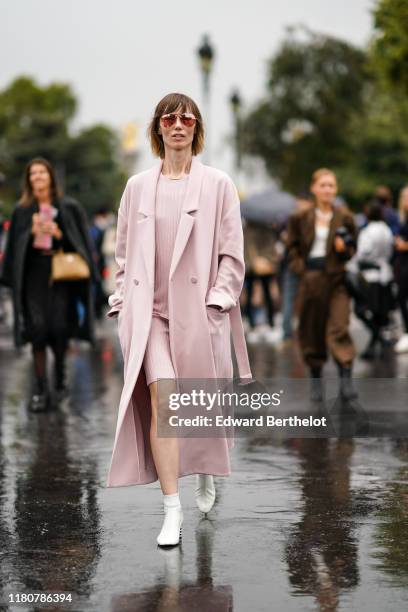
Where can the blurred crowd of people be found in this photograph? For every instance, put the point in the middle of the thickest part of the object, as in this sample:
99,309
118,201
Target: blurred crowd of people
303,275
376,274
317,266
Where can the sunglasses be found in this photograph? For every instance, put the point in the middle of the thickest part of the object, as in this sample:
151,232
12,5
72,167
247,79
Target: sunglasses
186,119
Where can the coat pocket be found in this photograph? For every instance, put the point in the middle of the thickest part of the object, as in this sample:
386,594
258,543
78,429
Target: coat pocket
218,326
119,317
215,318
123,337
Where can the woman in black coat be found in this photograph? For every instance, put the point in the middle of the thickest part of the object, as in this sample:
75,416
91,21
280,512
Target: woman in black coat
47,314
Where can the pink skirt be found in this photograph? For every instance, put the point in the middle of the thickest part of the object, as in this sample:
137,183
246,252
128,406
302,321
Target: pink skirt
157,361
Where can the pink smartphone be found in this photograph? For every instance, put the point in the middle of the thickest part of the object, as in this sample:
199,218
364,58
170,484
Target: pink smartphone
44,241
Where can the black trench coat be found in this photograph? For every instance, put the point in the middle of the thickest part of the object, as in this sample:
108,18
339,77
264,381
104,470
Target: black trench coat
74,221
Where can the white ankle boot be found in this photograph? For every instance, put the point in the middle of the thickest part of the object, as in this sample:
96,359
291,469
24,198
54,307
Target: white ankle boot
205,492
402,344
170,533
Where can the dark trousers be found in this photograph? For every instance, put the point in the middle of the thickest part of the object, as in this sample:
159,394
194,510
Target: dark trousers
45,306
265,281
324,313
46,316
375,310
289,293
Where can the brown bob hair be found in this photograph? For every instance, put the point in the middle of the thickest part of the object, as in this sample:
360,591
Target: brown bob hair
169,104
27,195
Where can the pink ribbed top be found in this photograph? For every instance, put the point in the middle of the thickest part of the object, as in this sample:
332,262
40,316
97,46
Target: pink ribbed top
169,202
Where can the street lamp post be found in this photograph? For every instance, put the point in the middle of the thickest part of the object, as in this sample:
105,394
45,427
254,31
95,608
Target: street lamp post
206,56
236,104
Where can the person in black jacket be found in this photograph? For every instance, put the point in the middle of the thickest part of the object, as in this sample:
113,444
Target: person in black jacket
45,313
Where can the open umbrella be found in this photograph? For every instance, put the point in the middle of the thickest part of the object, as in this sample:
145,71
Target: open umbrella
270,206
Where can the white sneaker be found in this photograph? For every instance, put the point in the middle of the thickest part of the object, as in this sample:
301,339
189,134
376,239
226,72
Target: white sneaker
402,344
253,336
272,335
205,492
171,531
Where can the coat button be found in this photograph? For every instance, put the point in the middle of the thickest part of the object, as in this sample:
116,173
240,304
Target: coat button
193,279
136,281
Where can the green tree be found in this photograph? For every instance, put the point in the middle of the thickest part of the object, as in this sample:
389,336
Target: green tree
390,45
35,121
314,88
91,167
378,146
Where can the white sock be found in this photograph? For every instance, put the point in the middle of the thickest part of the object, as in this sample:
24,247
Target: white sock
171,501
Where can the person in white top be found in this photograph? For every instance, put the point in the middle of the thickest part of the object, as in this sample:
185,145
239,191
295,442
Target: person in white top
375,246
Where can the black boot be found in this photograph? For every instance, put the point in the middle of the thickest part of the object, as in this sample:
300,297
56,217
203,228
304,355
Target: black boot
61,393
316,384
40,397
347,391
369,352
385,344
61,390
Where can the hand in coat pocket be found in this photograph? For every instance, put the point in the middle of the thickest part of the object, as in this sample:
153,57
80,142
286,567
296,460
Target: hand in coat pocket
216,319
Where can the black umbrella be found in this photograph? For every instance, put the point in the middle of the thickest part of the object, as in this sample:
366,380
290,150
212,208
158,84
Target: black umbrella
270,206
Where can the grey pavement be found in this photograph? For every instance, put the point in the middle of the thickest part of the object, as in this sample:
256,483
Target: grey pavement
301,524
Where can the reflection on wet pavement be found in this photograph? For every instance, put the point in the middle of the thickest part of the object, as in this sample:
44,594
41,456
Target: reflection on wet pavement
301,524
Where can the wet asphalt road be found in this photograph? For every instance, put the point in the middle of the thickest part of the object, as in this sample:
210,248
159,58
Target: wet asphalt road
301,524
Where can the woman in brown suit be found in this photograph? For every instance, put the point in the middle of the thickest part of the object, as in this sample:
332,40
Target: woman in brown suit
320,241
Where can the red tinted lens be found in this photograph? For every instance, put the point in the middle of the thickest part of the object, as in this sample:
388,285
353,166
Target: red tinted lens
187,120
168,120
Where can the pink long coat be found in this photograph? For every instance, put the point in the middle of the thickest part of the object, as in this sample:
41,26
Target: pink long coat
209,227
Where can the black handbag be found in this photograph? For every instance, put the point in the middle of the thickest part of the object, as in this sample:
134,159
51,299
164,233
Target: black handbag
356,285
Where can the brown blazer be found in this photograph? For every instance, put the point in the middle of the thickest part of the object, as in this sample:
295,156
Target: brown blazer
301,233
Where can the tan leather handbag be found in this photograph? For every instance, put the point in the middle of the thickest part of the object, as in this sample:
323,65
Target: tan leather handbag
68,267
263,266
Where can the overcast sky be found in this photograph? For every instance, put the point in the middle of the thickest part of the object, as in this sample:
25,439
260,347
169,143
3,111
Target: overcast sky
122,56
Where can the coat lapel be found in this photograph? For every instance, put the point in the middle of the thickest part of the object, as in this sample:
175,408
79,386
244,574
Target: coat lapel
334,224
187,219
309,228
146,220
146,213
148,197
71,229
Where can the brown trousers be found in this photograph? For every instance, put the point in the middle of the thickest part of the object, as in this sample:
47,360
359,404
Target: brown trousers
324,313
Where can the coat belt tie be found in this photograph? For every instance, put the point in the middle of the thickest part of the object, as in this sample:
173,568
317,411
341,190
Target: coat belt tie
238,340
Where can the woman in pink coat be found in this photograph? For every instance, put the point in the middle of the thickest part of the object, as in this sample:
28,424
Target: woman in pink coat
179,251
